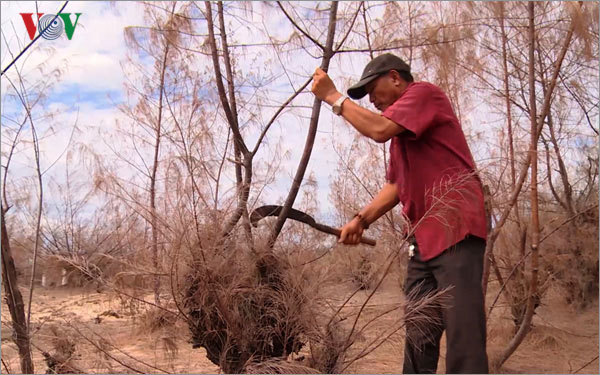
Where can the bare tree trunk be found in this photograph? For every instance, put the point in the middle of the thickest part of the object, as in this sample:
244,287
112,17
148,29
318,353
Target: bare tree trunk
509,124
312,131
511,151
567,201
390,213
153,220
410,32
489,259
367,35
535,225
38,222
243,157
14,300
23,97
21,324
243,185
493,236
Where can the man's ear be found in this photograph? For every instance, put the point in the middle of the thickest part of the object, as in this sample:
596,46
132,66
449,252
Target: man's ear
397,79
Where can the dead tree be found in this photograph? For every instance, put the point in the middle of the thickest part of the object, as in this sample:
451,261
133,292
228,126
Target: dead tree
328,53
14,300
537,123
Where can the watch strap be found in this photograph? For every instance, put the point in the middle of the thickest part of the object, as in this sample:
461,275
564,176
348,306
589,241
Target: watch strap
337,105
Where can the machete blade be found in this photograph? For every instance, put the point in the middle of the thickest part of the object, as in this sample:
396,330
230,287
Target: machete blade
273,210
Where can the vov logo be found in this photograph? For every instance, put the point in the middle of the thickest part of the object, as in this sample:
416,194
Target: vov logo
56,28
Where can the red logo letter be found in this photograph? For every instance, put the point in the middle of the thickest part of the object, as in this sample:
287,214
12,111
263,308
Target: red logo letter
28,21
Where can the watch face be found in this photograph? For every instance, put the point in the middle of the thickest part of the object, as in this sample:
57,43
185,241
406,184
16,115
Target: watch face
337,106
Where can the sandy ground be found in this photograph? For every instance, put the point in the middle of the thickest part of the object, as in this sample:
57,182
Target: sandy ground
108,337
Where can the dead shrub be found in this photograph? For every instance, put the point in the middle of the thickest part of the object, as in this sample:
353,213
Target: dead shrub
168,342
500,329
162,326
329,349
61,359
362,273
545,338
518,288
423,314
276,366
250,310
573,261
244,311
130,287
360,265
155,319
511,250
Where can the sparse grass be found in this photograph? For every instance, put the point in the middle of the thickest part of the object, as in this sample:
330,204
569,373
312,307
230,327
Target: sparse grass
276,366
61,359
387,358
545,338
154,320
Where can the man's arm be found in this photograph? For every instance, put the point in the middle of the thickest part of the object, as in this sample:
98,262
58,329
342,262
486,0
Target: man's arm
368,123
384,201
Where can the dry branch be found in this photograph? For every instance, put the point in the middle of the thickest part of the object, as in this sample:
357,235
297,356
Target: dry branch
312,131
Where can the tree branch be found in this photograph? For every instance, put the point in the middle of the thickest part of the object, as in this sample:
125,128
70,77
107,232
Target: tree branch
316,42
312,131
276,114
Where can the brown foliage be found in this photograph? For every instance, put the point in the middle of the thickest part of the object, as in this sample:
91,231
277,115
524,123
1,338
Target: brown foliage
60,361
573,262
245,311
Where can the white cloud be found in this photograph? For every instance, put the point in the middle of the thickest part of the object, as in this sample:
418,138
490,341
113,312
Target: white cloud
91,65
91,71
91,58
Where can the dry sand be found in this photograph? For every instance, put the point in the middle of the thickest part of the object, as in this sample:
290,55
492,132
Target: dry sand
561,341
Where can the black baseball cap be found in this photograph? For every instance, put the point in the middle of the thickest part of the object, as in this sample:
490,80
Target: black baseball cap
375,68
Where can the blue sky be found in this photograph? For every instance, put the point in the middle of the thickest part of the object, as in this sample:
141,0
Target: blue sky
90,87
84,93
89,63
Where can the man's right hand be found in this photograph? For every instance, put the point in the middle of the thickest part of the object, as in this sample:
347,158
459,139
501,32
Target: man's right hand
351,232
324,88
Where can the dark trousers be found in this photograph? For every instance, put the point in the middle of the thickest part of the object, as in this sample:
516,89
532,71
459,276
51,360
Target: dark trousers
461,312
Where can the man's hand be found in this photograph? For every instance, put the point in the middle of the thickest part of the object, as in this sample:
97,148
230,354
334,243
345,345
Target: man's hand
351,233
324,88
384,201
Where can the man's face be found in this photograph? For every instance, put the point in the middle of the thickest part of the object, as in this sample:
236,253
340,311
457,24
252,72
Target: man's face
385,90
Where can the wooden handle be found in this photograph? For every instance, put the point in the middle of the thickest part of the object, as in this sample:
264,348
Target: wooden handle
337,232
368,241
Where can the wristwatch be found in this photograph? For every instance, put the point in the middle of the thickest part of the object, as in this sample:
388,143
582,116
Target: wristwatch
337,106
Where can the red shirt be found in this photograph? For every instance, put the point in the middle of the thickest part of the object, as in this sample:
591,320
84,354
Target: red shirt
434,172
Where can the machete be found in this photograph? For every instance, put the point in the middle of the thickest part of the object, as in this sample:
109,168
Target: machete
272,210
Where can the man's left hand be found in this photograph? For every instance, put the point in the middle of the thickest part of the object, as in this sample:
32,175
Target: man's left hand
324,88
351,233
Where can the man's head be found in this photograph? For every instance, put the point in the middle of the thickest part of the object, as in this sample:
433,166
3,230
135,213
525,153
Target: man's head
384,79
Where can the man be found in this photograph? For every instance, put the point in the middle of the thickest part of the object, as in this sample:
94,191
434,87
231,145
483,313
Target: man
431,171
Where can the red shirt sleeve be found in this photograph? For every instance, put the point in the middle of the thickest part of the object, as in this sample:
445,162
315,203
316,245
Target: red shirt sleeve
416,109
390,173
